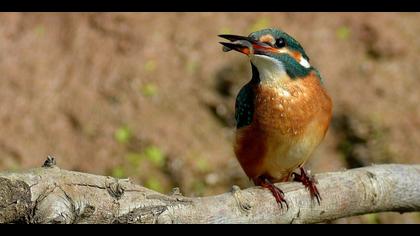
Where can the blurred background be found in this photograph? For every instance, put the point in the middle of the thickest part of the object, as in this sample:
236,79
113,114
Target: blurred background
150,96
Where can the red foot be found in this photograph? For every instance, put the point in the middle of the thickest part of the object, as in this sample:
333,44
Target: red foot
277,193
308,182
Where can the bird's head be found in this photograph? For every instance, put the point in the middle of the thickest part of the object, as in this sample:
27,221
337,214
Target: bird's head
273,52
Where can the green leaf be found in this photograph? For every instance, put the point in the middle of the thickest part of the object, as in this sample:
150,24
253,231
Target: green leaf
123,135
150,65
372,218
155,155
118,172
202,165
149,90
261,23
134,159
199,187
225,30
343,32
154,184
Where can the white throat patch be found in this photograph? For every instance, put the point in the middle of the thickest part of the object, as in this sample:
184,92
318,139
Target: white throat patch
269,68
304,62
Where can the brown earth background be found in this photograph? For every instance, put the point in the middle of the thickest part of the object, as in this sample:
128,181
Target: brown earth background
150,96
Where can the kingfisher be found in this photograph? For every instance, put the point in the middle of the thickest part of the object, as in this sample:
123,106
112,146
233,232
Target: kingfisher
282,114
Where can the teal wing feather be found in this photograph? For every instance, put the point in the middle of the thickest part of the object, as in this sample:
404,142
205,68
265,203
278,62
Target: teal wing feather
244,106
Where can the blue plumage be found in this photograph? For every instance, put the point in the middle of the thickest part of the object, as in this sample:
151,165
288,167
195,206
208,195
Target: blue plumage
244,106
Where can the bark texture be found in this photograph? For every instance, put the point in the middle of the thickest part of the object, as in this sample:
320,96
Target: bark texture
53,195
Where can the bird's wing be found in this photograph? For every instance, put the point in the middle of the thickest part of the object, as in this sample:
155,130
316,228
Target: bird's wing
244,106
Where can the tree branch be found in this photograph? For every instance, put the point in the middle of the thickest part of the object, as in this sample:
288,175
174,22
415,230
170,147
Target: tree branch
52,195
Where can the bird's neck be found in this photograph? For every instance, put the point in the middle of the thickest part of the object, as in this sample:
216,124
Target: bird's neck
269,76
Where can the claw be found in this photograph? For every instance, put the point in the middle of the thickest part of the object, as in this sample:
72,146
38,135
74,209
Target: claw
309,182
277,192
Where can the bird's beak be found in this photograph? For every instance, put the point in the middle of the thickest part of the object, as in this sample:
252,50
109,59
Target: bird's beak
245,45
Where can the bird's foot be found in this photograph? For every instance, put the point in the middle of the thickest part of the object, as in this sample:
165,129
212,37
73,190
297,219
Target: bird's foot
277,192
309,182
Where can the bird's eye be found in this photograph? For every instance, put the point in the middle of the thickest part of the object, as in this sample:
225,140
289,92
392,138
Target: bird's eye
280,42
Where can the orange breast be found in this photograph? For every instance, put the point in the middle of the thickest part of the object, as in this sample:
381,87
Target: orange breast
290,120
250,148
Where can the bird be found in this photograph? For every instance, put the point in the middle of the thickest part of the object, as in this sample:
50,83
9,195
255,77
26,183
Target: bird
282,114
